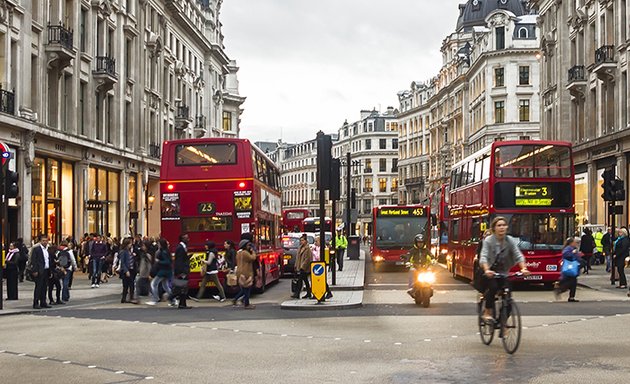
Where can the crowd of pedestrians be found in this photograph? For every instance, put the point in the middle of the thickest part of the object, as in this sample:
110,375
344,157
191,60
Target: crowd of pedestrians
308,253
144,266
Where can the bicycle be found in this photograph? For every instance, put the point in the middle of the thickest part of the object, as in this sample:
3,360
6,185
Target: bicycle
508,321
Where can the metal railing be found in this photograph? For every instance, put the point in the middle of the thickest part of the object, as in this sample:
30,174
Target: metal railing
577,73
367,170
605,54
59,34
155,151
106,64
183,112
7,102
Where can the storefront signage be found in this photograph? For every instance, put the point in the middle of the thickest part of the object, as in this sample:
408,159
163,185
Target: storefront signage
170,206
206,208
107,159
400,212
60,147
532,195
94,205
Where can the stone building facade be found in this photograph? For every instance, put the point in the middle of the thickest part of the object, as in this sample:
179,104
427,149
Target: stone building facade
585,92
487,89
89,90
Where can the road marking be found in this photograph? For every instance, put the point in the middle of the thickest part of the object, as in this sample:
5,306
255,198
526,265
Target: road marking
119,372
367,341
397,343
427,339
91,366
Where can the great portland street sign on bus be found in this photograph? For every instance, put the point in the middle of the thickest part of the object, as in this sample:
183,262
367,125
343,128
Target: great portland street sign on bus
400,212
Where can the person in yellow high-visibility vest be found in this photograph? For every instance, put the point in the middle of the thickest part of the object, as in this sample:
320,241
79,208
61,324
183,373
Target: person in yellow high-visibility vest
598,236
341,242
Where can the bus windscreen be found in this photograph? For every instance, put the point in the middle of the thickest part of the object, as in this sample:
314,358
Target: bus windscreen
206,154
540,231
397,232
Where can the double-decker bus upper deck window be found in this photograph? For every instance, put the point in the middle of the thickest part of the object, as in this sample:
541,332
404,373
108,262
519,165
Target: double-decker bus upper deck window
532,161
296,215
205,154
485,172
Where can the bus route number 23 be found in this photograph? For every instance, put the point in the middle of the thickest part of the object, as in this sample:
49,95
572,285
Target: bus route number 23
206,208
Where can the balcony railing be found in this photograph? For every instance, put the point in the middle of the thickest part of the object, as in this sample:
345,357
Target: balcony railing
59,34
577,73
183,112
154,151
200,121
7,102
106,65
367,170
605,54
367,189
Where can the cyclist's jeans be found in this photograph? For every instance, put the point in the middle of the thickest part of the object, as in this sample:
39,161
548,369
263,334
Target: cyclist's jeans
492,287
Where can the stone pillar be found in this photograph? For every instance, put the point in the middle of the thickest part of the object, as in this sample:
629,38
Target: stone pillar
25,156
81,195
593,192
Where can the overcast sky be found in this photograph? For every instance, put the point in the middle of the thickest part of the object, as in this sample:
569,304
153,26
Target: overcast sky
307,65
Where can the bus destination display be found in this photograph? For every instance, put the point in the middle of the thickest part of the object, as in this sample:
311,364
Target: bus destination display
400,212
532,195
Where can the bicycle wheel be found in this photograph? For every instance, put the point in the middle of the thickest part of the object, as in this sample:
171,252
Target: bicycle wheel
511,327
486,328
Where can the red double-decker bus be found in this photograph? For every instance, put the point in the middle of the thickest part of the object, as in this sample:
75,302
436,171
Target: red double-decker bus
394,230
531,184
217,189
293,219
313,224
438,201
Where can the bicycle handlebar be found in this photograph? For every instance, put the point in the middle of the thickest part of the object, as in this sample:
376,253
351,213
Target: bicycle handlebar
507,275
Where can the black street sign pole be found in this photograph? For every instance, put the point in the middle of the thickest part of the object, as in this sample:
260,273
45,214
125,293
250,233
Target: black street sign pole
3,212
611,218
333,246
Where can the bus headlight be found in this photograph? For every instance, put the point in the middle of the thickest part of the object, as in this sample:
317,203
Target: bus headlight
427,277
378,258
444,251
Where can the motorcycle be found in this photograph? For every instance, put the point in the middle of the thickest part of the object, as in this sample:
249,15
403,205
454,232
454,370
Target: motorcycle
422,289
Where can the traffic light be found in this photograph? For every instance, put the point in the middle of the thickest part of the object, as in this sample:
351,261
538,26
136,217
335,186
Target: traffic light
11,184
324,160
619,192
335,180
353,199
608,185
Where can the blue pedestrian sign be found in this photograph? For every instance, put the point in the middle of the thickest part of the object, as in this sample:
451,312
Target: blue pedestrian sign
6,155
318,280
318,270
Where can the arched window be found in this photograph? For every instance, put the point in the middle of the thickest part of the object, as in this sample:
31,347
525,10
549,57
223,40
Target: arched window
523,33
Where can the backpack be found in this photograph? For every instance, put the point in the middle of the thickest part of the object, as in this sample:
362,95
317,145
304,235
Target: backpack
63,258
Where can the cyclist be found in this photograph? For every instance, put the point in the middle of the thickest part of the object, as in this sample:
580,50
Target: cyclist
498,255
419,257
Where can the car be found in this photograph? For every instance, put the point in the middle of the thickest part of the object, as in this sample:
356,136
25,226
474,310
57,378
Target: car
290,245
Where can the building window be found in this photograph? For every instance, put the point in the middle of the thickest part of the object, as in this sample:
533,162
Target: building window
128,125
82,106
368,144
523,33
523,110
367,184
227,121
382,143
367,205
98,117
368,166
382,165
382,184
394,143
500,37
499,111
382,201
394,183
499,78
523,75
394,165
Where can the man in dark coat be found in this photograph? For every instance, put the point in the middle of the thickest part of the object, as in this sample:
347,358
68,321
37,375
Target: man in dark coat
42,264
181,271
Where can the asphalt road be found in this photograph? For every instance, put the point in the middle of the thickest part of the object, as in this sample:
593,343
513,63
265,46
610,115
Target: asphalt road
389,340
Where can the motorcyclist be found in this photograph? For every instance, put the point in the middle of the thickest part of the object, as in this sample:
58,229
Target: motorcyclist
419,257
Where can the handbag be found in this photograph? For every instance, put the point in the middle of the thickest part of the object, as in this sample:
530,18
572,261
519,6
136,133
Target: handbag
230,280
570,268
180,286
204,268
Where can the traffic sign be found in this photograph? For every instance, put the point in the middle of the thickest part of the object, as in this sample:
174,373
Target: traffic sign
318,280
6,153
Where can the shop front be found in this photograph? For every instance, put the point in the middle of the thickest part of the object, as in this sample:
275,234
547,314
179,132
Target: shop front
103,203
52,198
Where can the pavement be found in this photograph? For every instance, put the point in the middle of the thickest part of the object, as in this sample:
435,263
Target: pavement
81,295
599,280
347,293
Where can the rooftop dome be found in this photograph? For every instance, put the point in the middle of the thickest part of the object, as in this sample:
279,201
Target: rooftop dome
474,12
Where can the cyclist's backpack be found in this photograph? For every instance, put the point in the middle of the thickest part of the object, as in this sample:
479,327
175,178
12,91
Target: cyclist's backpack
63,258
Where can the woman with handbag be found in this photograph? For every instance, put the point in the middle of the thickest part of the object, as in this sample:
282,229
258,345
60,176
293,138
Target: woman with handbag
245,258
211,272
621,251
571,263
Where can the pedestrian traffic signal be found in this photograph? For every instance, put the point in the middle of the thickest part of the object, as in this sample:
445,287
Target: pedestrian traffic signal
619,192
335,180
324,160
608,185
11,184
